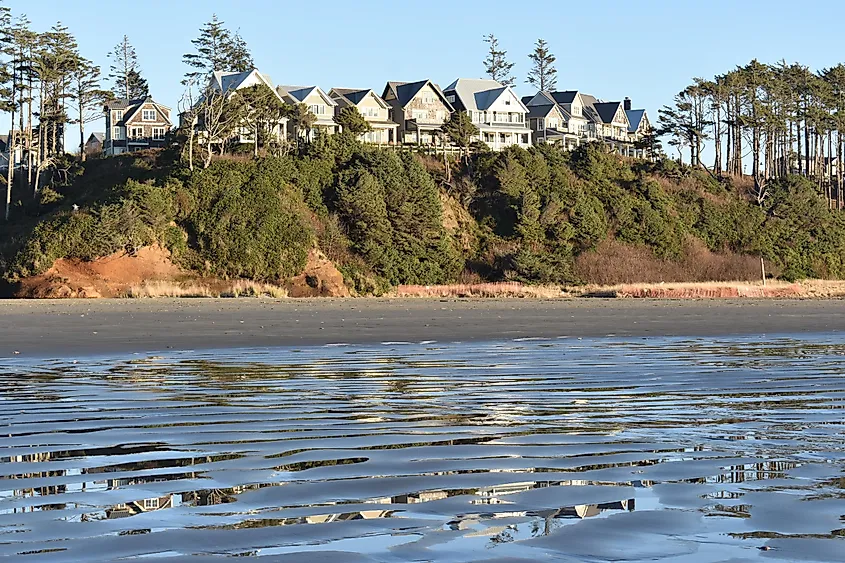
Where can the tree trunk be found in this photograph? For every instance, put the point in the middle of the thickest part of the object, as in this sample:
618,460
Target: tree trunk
10,173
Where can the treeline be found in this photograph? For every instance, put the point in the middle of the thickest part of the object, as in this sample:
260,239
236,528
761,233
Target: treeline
780,119
48,86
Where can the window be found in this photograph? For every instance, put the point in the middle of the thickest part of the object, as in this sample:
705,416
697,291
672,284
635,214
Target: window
150,503
148,115
525,139
136,132
419,114
539,125
158,133
317,109
117,134
507,102
450,98
117,115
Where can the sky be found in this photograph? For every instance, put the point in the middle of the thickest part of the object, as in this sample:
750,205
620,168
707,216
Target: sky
648,49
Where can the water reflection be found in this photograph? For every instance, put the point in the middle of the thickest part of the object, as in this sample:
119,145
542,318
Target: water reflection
537,450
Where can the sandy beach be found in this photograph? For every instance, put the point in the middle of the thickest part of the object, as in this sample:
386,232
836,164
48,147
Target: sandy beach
42,329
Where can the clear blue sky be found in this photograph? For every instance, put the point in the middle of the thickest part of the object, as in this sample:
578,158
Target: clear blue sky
648,49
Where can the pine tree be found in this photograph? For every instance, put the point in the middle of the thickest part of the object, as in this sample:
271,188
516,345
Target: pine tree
88,97
496,64
351,121
543,74
240,59
125,72
461,130
216,49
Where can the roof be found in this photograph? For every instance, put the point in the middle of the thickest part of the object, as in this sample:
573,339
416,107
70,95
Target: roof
301,93
131,107
635,117
566,97
607,110
123,103
356,96
540,111
99,137
478,94
406,91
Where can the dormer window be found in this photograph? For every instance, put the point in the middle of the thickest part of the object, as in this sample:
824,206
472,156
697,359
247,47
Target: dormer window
148,115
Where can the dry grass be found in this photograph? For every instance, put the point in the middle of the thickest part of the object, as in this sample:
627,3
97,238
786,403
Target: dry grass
240,288
614,263
693,290
480,290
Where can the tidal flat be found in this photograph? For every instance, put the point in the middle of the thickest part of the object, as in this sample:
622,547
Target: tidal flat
693,449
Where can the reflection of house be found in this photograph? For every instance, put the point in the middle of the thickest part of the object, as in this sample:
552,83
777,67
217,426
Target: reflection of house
499,114
133,125
419,108
319,103
374,109
126,509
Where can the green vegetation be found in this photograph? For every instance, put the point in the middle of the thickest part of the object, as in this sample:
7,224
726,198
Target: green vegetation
528,215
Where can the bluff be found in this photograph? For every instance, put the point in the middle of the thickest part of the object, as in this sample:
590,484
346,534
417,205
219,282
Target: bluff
385,218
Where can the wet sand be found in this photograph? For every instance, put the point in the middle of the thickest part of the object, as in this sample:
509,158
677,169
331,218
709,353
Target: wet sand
101,327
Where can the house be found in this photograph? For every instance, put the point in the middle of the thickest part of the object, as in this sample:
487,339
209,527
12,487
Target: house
419,108
318,102
374,109
133,125
639,127
94,144
551,122
230,82
501,117
613,120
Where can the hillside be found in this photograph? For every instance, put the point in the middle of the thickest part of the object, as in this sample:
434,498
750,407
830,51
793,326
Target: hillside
386,218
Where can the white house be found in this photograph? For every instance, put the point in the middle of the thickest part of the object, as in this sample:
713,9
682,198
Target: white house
319,103
501,117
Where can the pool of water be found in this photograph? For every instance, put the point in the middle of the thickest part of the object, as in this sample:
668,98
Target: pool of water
535,450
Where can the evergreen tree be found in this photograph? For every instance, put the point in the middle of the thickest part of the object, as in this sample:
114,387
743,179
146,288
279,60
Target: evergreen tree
543,74
125,72
216,49
351,121
461,130
88,96
302,120
240,59
496,64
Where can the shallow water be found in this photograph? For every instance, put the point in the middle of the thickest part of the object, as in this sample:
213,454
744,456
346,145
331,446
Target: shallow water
532,450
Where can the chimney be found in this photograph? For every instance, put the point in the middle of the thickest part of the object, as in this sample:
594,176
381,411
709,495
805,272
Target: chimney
627,103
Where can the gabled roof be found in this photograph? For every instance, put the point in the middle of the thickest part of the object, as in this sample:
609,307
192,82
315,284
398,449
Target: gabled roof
566,97
99,137
607,110
540,111
355,96
635,118
229,81
478,94
301,93
163,110
406,91
131,107
123,103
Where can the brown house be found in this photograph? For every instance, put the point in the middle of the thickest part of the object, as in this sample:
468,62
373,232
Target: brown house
133,125
420,109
